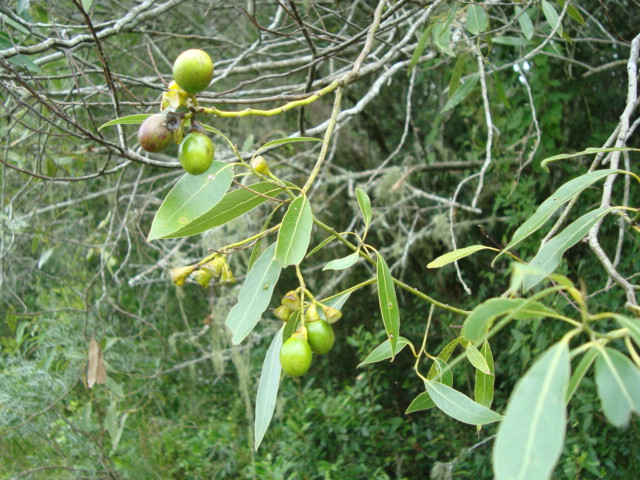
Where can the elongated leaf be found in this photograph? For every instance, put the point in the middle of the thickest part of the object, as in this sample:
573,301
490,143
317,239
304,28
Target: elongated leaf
190,198
477,359
572,11
443,373
254,295
511,41
444,355
388,303
456,74
365,205
86,4
477,20
383,351
531,436
461,93
459,406
525,23
632,326
421,402
232,205
580,371
484,385
551,15
342,263
561,196
587,151
295,233
285,141
479,321
618,383
422,43
550,254
451,257
268,388
128,120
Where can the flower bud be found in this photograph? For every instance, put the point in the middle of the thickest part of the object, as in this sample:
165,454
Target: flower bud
180,274
331,314
214,267
282,313
202,277
312,314
226,277
259,164
291,300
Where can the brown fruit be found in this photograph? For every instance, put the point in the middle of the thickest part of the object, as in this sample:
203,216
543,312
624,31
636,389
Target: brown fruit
154,134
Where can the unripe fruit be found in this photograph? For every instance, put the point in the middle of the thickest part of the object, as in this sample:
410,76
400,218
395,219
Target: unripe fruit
196,153
282,313
291,300
202,277
180,274
154,134
214,267
193,70
259,164
295,356
320,336
226,277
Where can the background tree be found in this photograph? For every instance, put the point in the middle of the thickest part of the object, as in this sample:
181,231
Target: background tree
439,112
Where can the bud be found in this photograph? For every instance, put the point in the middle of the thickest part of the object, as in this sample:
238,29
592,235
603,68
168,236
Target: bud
291,300
214,267
331,314
312,314
259,164
202,277
301,333
282,313
180,274
226,277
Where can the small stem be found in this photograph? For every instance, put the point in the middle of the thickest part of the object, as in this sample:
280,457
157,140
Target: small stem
231,246
350,289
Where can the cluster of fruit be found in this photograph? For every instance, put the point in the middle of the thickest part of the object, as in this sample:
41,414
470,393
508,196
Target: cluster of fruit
192,73
314,335
215,269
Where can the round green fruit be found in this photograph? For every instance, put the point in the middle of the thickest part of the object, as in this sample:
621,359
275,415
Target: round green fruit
320,336
295,356
196,153
193,70
154,134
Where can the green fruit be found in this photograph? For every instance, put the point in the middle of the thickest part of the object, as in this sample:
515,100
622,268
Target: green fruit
320,336
295,356
196,153
154,134
193,70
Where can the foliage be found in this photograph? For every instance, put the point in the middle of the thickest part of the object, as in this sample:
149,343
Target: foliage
387,131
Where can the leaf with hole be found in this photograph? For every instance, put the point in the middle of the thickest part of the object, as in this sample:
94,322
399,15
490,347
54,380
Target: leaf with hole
531,436
388,303
190,199
254,295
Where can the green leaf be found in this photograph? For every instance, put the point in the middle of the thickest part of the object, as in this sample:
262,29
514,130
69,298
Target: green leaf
531,436
12,23
456,74
189,199
421,402
462,92
365,205
451,257
479,321
285,141
561,196
232,205
618,384
128,120
580,372
422,43
459,406
443,373
477,20
388,303
588,151
550,254
383,351
444,355
295,233
511,41
254,295
525,23
86,4
477,359
484,384
268,388
631,325
551,15
502,95
572,12
342,263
